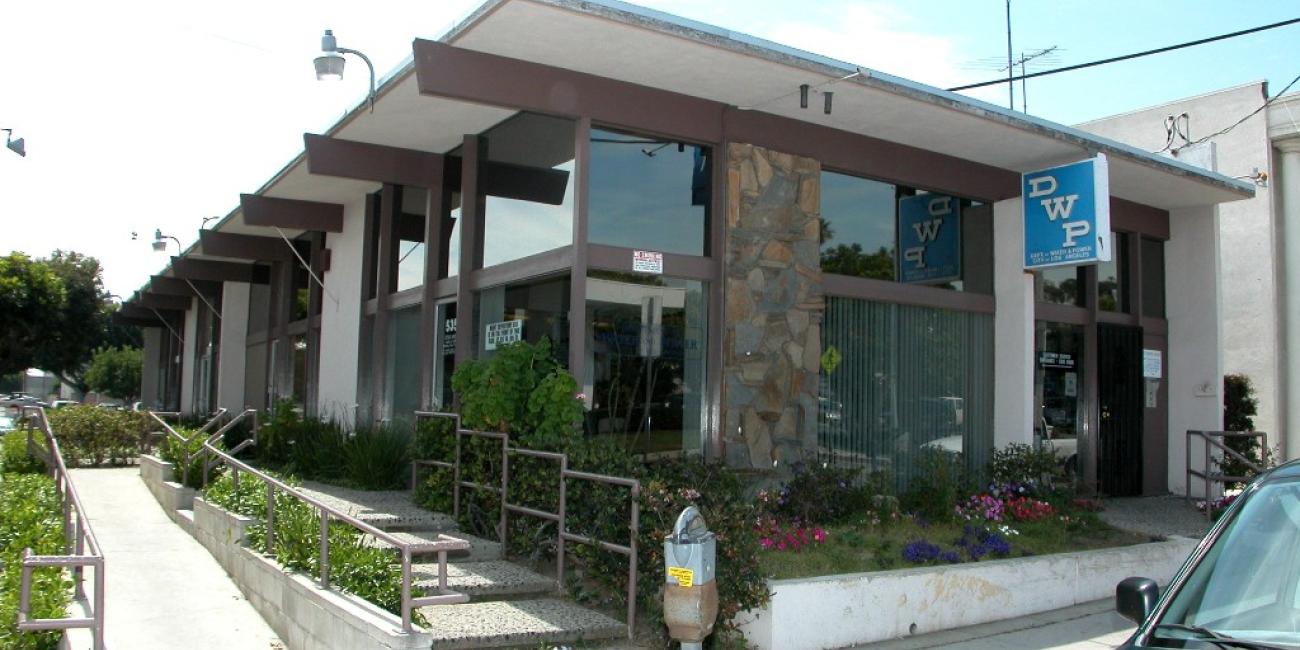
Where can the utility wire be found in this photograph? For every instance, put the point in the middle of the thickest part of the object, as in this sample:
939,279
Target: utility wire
1127,56
1253,113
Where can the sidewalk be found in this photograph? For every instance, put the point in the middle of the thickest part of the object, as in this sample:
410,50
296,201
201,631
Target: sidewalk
164,590
1090,626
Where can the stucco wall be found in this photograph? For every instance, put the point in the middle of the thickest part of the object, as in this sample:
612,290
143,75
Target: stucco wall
774,308
341,320
1013,323
234,340
1249,269
189,359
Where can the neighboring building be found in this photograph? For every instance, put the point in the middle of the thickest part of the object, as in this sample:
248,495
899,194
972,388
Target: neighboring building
715,263
1259,238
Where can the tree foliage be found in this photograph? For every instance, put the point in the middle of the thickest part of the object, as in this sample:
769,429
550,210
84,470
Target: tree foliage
116,372
54,315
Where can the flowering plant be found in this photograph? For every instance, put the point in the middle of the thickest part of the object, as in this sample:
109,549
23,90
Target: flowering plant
775,536
1026,509
921,552
981,507
978,541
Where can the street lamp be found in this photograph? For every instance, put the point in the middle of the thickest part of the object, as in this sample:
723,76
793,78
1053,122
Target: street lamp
160,243
17,146
205,222
329,65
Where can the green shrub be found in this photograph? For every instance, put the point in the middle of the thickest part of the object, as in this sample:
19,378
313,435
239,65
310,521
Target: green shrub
939,483
15,457
1239,408
1019,463
521,390
94,436
185,456
817,494
317,450
31,518
277,433
378,457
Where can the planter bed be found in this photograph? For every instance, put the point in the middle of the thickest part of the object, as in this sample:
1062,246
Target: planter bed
160,477
843,610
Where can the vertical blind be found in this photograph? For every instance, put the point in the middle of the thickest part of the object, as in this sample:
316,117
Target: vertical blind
908,380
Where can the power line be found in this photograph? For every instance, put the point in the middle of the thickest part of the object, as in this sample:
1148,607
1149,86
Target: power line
1236,124
1128,56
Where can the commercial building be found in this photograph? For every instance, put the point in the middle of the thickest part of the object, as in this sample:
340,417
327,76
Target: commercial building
706,226
1259,238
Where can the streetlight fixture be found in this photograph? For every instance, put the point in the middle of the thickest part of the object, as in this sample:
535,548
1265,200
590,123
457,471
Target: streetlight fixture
205,222
18,146
329,65
160,242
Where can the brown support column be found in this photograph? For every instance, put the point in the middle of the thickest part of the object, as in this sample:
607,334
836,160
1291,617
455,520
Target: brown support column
471,250
712,435
433,254
578,278
1089,447
389,209
314,299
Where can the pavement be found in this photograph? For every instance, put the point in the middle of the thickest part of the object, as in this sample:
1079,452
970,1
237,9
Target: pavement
164,590
1156,516
1090,626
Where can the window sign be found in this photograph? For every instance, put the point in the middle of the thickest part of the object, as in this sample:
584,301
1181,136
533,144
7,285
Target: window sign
1152,364
503,332
449,336
929,239
1063,360
647,262
1067,214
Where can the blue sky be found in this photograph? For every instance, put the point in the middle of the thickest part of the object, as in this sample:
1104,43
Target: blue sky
147,114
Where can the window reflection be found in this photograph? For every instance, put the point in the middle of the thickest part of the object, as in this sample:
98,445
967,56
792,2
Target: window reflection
857,228
647,340
1112,276
528,156
649,193
410,249
1060,285
1058,383
541,307
1153,278
402,392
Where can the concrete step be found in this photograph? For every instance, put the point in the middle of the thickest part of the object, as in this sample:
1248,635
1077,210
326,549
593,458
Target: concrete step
385,509
489,580
517,623
480,549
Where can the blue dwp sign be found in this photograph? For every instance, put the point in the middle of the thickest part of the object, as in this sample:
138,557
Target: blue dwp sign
929,239
1067,214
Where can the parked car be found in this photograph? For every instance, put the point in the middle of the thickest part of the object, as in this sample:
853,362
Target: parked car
60,403
1241,586
7,423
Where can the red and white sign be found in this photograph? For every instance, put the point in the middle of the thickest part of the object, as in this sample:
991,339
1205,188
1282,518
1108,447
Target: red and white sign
647,262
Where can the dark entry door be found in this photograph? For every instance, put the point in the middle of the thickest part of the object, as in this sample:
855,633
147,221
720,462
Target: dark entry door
1119,384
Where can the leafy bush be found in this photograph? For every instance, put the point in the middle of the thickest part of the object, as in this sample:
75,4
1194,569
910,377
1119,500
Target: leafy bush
818,494
31,518
369,458
1239,408
355,567
94,436
378,458
522,389
937,487
15,457
185,456
1037,468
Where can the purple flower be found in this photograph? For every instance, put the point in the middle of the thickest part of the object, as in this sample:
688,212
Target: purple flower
920,551
951,557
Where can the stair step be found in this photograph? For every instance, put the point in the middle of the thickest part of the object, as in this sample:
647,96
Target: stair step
480,549
517,623
385,509
492,579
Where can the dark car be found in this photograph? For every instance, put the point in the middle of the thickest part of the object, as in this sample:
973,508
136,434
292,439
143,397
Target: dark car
1240,588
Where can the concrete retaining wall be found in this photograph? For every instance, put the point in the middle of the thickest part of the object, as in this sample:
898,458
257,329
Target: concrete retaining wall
159,477
844,610
305,616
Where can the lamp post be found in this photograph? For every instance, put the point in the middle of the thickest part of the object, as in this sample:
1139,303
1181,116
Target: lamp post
18,146
329,65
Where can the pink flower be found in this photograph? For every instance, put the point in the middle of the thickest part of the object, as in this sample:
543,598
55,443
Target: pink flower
819,535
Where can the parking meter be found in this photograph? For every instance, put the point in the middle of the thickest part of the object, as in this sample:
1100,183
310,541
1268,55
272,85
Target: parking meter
690,591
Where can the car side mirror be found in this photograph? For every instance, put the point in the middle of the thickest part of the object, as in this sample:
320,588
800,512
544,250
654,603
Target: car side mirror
1135,598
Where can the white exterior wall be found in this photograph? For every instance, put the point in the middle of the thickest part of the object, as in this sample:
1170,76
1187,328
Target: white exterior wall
341,320
1284,130
234,343
1195,363
1013,329
189,358
1250,270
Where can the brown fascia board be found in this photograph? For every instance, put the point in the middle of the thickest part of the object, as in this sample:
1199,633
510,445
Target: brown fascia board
371,162
180,287
220,271
246,247
137,312
295,214
161,301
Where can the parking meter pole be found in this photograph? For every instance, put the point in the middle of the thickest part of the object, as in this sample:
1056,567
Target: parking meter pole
690,592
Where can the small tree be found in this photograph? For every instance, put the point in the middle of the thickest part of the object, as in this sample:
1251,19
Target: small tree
1239,409
31,297
116,372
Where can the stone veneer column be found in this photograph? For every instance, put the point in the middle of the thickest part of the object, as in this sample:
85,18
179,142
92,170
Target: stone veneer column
774,307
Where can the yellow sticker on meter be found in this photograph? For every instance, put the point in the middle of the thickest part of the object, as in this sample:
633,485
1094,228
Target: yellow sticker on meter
685,577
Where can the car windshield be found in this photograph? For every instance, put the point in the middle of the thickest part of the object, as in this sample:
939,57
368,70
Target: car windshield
1248,584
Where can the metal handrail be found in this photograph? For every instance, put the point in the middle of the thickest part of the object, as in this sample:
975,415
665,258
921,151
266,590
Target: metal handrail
444,544
560,518
1208,437
79,539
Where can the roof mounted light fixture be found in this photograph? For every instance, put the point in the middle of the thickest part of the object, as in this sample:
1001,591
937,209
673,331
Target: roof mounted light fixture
329,65
18,146
205,222
160,242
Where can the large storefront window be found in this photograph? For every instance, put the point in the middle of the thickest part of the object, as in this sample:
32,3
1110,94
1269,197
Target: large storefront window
1153,278
445,346
1058,387
525,311
1112,276
945,242
524,153
647,339
410,238
1061,285
649,193
403,382
908,381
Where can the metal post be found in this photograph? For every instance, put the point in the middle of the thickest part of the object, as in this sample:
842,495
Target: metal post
270,518
631,569
78,575
455,478
25,583
406,588
559,538
324,549
505,484
99,603
442,571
